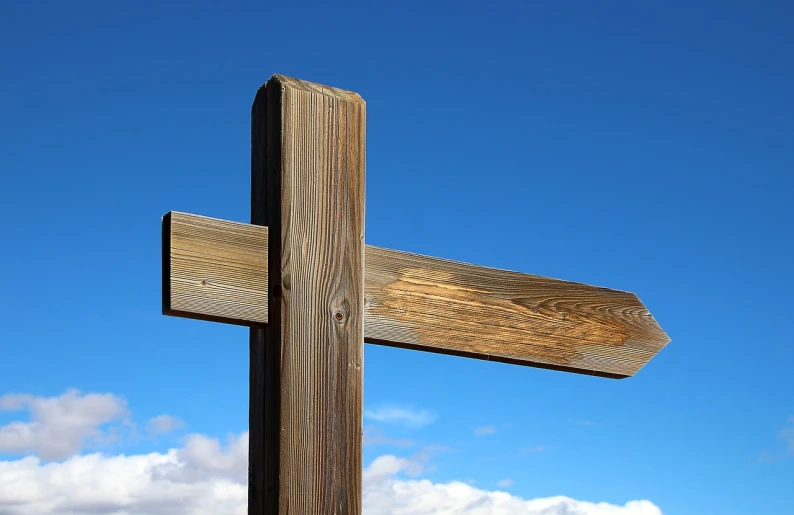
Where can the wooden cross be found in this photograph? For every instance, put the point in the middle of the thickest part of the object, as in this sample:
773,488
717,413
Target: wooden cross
312,292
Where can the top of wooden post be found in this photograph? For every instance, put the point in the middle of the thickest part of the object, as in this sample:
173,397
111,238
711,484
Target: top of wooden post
293,83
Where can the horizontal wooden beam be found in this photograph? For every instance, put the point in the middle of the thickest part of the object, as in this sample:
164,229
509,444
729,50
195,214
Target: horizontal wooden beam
214,270
421,302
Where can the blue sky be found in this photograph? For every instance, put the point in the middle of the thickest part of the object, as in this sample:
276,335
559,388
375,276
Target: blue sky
647,148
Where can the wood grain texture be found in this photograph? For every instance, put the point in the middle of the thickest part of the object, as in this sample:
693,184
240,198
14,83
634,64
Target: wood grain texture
308,158
435,305
214,269
432,304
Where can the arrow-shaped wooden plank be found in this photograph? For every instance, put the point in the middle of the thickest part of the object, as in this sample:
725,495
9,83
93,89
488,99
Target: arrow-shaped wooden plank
217,270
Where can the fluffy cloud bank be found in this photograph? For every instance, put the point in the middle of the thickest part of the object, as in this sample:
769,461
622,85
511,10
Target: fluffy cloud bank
385,494
206,476
60,426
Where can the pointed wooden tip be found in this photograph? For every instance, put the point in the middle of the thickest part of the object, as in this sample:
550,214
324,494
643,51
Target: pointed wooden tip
655,337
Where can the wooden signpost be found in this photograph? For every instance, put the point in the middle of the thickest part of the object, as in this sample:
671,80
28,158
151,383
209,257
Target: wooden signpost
312,292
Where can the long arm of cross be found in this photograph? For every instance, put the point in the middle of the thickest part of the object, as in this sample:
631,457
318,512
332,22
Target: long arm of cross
217,270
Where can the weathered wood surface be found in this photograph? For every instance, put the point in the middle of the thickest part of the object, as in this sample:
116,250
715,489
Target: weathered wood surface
436,305
329,292
307,171
432,304
214,269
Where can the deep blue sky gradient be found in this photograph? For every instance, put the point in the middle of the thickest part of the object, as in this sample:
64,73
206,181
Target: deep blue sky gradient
641,147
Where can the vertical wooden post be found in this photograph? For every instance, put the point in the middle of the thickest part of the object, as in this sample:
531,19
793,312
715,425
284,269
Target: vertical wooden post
306,376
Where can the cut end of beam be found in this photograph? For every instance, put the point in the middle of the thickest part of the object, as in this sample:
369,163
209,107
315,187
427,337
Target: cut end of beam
214,269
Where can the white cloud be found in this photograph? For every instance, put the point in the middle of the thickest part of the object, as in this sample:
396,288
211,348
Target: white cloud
485,430
206,478
117,485
162,424
203,458
403,416
60,426
385,494
505,483
384,467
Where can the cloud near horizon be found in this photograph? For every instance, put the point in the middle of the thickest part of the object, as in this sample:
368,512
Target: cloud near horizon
206,476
